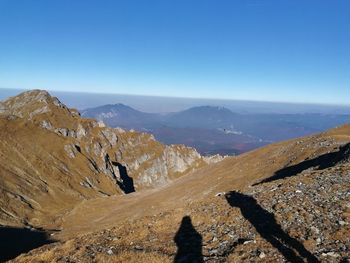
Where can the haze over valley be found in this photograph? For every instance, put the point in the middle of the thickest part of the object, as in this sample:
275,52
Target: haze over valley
217,130
210,126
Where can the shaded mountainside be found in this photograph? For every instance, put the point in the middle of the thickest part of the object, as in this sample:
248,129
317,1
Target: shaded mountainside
288,201
51,159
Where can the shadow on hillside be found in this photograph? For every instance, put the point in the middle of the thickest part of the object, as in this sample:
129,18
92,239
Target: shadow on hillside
127,183
266,225
189,243
15,241
321,162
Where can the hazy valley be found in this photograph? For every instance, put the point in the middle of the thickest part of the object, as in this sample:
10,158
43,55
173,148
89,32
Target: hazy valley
216,129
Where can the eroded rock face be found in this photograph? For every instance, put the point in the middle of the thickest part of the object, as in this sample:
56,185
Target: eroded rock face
214,158
157,174
71,150
30,103
41,110
46,125
77,158
110,135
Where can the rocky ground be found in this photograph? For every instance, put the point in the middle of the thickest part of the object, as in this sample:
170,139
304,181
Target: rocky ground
303,218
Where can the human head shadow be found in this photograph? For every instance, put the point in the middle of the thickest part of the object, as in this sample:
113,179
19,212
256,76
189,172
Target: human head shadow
126,183
266,225
15,241
188,242
321,162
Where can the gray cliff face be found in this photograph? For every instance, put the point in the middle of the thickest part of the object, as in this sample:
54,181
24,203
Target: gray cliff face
149,165
146,161
50,155
177,161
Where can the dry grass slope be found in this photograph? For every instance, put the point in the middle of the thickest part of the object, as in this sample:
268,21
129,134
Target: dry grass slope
52,159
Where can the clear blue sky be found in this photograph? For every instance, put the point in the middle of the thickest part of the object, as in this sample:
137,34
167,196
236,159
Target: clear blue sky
274,50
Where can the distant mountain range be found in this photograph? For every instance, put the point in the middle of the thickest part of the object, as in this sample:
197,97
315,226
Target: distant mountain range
123,116
212,129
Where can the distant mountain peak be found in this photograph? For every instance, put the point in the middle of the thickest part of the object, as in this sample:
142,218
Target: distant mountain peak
209,109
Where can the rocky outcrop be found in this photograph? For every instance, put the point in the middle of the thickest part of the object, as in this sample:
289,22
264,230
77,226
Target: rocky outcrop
214,158
75,158
31,103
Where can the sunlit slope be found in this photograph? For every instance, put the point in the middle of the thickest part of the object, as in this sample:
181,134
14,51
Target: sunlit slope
51,159
232,173
225,212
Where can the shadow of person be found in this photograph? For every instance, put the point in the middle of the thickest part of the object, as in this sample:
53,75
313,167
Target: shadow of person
320,162
188,242
15,241
266,225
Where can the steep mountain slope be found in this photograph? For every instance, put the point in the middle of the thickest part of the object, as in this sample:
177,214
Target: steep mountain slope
51,159
286,201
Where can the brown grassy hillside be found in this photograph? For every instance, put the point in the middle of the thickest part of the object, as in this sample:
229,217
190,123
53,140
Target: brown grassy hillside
51,159
287,201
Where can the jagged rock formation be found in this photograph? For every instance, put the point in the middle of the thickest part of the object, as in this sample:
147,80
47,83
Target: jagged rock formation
51,158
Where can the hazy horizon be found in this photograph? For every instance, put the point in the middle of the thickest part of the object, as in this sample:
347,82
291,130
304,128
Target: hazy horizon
259,50
164,104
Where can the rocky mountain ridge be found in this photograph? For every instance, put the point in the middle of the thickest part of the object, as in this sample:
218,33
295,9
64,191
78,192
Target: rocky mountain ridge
51,158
